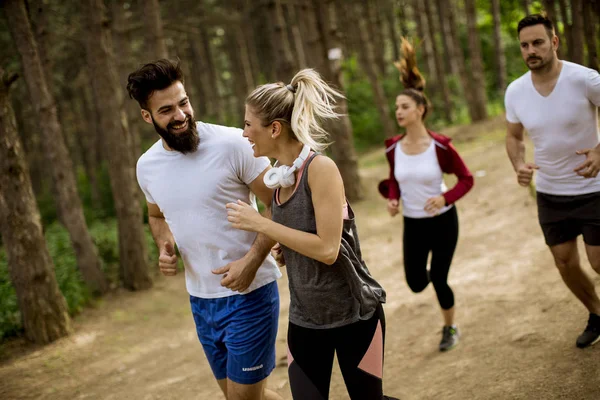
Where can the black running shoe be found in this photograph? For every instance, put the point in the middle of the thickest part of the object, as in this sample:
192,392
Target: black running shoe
450,337
390,398
591,334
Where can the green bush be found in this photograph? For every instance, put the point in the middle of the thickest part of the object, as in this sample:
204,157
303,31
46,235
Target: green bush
104,234
10,318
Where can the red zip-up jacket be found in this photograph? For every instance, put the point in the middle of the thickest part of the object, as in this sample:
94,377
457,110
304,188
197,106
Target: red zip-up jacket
450,163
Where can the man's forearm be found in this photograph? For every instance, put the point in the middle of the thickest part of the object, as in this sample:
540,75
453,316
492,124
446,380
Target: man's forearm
160,231
516,151
262,245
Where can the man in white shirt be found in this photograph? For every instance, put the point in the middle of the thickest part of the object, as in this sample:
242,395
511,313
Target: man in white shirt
557,102
187,177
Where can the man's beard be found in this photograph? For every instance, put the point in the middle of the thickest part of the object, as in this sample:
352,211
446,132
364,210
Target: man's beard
540,64
184,142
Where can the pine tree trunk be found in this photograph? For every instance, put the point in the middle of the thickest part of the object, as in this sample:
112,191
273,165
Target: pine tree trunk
121,35
439,65
525,5
577,31
59,161
250,39
294,28
390,15
477,74
342,150
155,39
591,32
444,28
201,78
284,61
101,64
369,65
425,43
374,27
568,29
459,59
550,9
89,141
499,49
240,69
313,44
43,308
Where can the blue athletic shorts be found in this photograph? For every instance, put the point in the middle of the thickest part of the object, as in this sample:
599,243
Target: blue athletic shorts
238,333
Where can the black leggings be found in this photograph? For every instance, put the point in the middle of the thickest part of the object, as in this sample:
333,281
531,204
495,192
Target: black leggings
359,349
439,236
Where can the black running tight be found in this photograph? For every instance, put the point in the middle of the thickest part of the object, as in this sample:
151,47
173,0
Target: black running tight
359,349
436,235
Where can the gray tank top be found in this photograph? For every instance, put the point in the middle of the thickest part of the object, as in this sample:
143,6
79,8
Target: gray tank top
321,295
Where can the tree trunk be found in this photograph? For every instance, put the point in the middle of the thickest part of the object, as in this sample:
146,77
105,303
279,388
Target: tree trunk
155,39
390,15
550,9
59,161
422,34
567,27
459,59
250,39
88,154
43,308
525,5
121,35
439,65
402,16
577,31
444,27
201,80
132,243
240,69
90,141
294,27
477,74
374,27
284,62
217,97
499,49
313,42
342,150
591,32
367,58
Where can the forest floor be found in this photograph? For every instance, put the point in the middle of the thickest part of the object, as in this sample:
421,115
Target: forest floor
518,320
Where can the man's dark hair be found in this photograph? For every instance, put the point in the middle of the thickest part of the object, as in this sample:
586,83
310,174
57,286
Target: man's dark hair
153,76
536,19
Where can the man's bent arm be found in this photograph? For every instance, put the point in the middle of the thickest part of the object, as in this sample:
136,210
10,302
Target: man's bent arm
158,227
262,244
515,144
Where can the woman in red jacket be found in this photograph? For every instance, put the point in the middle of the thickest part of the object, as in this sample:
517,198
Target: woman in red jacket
418,159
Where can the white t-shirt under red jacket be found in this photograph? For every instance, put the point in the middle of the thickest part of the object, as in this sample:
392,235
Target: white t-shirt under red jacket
559,124
191,191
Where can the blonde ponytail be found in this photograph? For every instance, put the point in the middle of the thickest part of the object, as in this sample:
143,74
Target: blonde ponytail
302,104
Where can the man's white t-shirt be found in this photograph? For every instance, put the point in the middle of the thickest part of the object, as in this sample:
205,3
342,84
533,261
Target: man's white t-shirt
560,124
191,190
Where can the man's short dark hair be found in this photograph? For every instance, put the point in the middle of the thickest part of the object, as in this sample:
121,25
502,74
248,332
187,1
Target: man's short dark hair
153,76
537,19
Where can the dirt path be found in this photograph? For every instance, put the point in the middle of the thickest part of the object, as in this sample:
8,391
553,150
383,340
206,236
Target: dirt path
518,320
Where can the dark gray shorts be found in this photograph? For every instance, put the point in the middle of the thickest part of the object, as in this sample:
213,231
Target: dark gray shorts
563,218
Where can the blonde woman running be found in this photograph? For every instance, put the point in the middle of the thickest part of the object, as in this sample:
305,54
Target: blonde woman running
335,304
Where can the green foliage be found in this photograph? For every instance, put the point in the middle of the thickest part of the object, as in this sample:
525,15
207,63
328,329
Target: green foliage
68,277
10,318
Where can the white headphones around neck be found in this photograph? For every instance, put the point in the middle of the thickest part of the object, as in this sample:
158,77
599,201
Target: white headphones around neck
283,176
